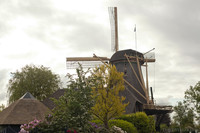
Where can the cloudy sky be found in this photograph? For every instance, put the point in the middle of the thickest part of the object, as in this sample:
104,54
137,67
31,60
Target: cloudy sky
45,32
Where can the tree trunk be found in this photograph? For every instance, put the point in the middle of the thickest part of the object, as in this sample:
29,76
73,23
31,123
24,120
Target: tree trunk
106,124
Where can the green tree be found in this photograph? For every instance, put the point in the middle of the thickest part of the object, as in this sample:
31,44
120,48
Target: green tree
192,96
73,110
108,82
39,81
184,116
2,107
79,101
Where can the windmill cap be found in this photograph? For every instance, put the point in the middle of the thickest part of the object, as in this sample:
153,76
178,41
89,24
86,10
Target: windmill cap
119,55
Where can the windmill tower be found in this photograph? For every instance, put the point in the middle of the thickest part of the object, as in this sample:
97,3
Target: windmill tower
129,62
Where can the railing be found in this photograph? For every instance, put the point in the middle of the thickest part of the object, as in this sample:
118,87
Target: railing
152,106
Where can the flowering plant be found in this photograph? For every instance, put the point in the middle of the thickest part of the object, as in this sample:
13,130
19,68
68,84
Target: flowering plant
116,129
94,125
30,126
69,131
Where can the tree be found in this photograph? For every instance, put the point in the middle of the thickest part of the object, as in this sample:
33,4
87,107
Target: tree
2,107
184,116
73,110
79,101
192,95
108,82
39,81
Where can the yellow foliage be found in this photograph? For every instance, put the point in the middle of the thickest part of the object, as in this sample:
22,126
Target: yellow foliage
108,83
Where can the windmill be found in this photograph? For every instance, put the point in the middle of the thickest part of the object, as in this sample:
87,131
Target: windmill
130,62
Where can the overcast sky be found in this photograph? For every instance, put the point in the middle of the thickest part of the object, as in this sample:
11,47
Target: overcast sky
45,32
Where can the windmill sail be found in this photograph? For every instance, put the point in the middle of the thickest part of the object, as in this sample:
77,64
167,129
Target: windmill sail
86,62
114,28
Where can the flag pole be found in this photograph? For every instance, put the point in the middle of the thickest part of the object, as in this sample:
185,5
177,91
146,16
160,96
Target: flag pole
135,37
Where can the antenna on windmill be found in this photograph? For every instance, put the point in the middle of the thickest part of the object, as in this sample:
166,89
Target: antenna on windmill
114,28
135,37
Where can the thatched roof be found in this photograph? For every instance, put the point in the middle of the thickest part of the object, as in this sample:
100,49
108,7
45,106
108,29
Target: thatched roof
56,95
24,110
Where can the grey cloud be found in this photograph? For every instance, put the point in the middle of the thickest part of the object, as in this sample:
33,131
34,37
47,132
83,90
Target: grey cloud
168,100
164,100
3,98
13,9
73,29
3,74
76,33
178,22
34,8
3,81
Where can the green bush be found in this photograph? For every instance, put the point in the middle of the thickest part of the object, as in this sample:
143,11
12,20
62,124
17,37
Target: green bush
143,123
163,127
127,117
124,125
152,124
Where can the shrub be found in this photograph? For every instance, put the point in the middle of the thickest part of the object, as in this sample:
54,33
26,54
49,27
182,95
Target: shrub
127,117
115,129
31,126
163,127
124,125
152,124
143,123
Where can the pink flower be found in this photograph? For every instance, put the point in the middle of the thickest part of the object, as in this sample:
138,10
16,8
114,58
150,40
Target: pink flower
68,131
23,131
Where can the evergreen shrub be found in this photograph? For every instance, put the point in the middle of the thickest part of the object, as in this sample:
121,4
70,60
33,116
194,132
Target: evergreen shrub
127,117
124,125
143,123
152,124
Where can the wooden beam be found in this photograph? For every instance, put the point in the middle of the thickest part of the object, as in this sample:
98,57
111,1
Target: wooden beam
149,60
116,30
147,82
87,58
134,89
101,59
143,87
142,59
140,73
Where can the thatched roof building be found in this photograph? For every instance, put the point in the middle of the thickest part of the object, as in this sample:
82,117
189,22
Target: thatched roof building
56,95
22,111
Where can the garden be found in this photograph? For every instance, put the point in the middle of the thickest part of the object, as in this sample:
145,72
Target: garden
92,104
